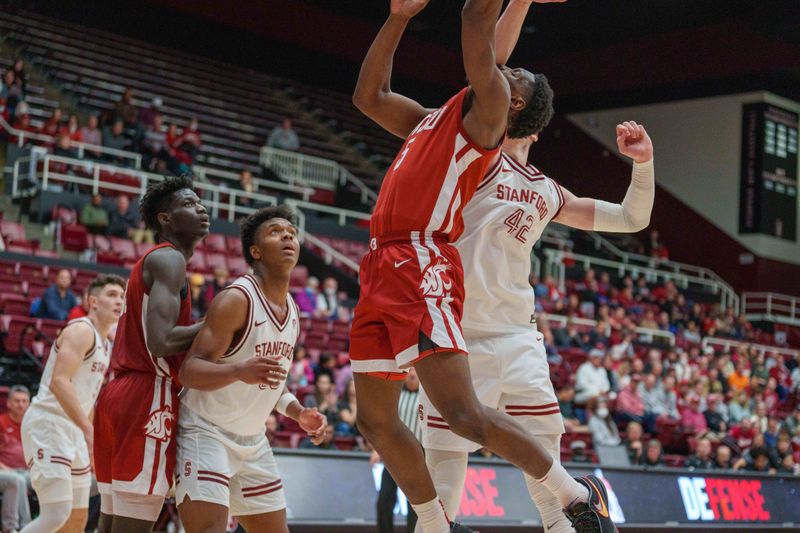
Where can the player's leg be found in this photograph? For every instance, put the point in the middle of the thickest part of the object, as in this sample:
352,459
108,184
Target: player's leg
553,518
449,471
445,376
103,456
402,454
274,522
201,517
55,504
81,485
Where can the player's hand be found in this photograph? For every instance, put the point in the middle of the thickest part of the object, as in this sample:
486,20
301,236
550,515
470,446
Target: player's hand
407,8
261,370
633,141
313,422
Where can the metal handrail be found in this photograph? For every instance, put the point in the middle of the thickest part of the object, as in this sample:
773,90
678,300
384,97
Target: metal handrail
762,348
643,332
204,173
82,147
555,267
771,306
311,170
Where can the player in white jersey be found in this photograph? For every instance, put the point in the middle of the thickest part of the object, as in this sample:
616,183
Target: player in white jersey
507,358
235,374
57,433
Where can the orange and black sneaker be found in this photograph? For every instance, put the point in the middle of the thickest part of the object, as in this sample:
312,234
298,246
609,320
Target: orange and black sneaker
458,528
591,516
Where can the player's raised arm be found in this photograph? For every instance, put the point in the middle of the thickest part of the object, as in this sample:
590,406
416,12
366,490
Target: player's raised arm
166,267
75,341
373,94
487,117
633,214
510,25
226,317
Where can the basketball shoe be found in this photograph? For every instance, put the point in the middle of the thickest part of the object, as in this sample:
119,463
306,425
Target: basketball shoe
591,516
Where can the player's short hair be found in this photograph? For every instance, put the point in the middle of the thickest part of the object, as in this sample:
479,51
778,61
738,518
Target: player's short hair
157,198
537,114
252,222
19,389
102,280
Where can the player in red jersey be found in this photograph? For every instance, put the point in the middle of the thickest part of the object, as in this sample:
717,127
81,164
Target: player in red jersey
412,281
134,444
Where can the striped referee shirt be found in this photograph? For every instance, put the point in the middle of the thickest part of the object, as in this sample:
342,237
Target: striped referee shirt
408,409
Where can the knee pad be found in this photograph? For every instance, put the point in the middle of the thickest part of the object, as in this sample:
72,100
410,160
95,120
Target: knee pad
80,497
138,506
553,519
52,517
448,471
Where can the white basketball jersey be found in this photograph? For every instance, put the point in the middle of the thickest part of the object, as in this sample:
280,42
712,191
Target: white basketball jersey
87,381
240,408
502,222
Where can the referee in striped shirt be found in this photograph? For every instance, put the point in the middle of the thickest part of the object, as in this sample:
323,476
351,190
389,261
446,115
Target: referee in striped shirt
387,496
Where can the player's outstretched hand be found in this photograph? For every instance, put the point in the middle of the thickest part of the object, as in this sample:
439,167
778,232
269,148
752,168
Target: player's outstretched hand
407,8
314,423
262,370
633,141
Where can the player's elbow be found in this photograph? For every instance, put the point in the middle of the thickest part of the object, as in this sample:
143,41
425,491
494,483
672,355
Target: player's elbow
158,347
479,10
638,224
364,100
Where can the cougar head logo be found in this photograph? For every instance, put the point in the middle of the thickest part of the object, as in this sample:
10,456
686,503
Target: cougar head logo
435,278
159,426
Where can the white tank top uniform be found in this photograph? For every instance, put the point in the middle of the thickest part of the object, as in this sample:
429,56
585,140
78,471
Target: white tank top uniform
503,221
223,454
54,446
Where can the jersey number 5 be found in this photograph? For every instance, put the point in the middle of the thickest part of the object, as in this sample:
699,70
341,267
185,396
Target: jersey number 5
519,224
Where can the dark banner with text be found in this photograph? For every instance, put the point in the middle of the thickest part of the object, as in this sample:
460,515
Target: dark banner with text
341,488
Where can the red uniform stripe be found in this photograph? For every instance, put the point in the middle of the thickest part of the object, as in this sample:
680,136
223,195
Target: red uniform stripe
532,407
534,413
259,487
436,418
212,479
437,426
215,474
58,462
267,491
67,459
154,473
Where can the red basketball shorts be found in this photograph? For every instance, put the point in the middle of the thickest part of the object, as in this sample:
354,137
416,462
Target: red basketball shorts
412,293
134,434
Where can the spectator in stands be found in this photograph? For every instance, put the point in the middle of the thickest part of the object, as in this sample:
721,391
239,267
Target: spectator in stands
148,115
22,121
199,305
566,404
122,219
220,281
633,441
325,365
63,146
601,424
739,380
792,424
13,484
174,142
578,449
744,434
591,379
155,148
58,299
53,124
788,466
191,141
347,411
772,433
702,457
12,94
654,400
739,407
717,427
630,405
114,137
80,310
284,137
327,440
245,184
757,459
324,399
20,76
91,134
301,372
692,418
126,111
328,299
722,458
94,216
653,454
72,130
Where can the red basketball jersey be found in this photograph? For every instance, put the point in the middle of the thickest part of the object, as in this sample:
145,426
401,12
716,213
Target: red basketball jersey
130,351
433,177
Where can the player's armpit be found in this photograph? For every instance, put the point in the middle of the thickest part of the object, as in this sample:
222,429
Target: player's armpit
165,272
576,212
227,315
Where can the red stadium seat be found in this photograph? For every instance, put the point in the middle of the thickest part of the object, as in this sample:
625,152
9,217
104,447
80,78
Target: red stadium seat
124,248
237,266
50,328
197,263
233,245
14,304
16,328
74,237
216,242
216,261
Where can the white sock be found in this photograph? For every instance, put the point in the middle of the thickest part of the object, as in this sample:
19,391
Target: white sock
448,471
563,486
553,518
431,517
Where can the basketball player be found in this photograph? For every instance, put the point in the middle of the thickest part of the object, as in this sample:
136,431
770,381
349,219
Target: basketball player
507,358
135,445
412,282
235,376
57,434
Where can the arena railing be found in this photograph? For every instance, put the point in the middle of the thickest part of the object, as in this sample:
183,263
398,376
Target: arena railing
644,335
22,137
329,253
231,177
772,307
555,267
314,171
761,348
660,264
220,201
